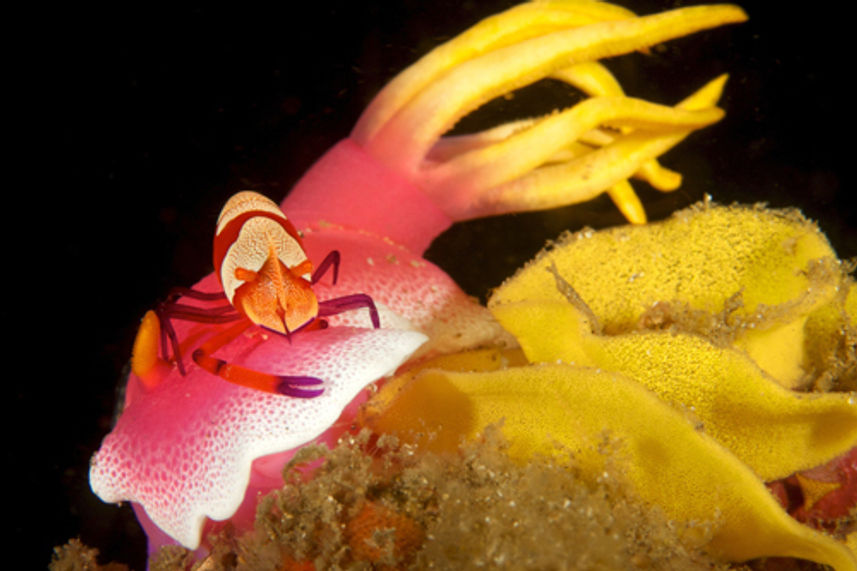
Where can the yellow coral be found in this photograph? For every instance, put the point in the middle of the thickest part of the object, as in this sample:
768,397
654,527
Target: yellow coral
776,432
830,342
776,264
782,267
562,409
696,424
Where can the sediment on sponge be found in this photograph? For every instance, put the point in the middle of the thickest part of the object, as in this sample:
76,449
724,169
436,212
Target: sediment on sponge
472,509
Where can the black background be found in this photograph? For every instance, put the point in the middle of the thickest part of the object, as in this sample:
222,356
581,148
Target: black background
140,122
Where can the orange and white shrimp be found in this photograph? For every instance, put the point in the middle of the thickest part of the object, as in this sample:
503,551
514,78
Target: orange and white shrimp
267,280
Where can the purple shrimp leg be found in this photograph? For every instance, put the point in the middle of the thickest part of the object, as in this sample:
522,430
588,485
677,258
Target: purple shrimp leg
348,302
332,259
169,309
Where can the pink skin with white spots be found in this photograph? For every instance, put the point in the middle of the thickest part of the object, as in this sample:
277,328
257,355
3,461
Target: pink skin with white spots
197,448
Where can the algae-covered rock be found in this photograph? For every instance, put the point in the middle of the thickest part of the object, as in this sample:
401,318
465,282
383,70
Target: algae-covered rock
390,505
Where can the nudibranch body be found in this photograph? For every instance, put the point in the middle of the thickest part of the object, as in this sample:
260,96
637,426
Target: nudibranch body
188,447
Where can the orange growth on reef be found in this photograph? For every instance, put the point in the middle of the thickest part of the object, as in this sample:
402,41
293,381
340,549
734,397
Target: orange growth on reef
382,536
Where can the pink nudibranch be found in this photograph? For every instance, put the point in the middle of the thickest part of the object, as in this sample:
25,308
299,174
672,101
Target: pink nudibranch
190,447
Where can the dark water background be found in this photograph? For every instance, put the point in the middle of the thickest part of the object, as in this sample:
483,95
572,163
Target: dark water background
144,121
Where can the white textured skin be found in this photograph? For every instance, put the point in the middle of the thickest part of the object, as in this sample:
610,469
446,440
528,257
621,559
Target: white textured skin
184,450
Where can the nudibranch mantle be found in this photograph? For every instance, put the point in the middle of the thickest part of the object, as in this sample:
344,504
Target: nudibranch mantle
187,450
184,450
411,287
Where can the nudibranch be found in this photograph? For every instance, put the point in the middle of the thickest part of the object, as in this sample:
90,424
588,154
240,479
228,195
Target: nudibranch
191,447
652,353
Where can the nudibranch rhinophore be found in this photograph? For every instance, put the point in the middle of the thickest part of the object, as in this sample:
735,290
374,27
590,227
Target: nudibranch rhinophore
192,447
